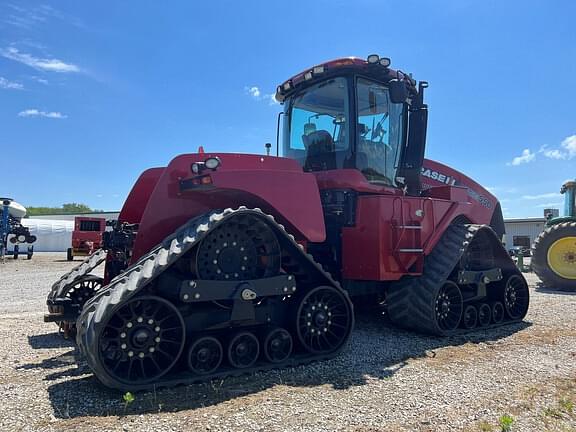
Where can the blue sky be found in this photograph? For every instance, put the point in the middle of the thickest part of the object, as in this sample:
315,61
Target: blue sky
92,93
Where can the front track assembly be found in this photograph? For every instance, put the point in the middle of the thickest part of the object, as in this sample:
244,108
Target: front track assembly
469,282
229,293
68,295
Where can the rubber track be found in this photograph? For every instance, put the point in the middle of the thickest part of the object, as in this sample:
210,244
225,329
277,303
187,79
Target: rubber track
61,286
138,276
539,260
411,301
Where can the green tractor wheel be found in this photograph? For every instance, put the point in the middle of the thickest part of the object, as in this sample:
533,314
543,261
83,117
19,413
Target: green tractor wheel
554,256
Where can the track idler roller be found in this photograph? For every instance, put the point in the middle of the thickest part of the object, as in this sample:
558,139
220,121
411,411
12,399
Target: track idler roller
448,307
516,297
277,345
469,317
324,320
84,289
243,350
142,340
498,312
484,315
205,355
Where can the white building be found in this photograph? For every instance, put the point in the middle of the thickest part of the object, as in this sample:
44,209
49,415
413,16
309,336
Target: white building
523,232
71,216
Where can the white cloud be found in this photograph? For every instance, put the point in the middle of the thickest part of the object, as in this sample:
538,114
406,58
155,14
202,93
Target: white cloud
37,113
569,144
50,65
541,196
567,149
257,94
554,154
39,80
5,84
525,157
273,100
253,91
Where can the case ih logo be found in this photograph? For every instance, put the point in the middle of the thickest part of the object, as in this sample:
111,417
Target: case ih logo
451,181
435,175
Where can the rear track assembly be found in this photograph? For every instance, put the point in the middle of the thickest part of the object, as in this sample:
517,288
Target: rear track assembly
434,303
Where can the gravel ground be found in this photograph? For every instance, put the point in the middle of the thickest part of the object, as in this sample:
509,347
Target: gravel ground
386,380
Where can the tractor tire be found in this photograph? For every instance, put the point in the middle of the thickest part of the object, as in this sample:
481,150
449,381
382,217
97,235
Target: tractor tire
69,255
554,256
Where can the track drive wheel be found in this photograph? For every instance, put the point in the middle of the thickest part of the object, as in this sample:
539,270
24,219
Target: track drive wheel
244,247
324,320
554,256
142,340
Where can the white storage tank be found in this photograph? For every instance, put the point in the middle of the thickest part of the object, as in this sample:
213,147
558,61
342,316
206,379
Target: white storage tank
52,235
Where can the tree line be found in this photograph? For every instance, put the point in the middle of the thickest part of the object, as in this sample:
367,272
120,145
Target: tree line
66,208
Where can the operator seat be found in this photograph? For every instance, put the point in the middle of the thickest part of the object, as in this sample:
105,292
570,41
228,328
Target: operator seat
320,151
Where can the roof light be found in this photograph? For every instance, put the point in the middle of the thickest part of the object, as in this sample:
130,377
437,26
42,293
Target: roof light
373,58
286,86
318,70
385,61
212,163
308,75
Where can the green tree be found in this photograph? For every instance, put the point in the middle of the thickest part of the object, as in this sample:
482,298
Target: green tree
66,208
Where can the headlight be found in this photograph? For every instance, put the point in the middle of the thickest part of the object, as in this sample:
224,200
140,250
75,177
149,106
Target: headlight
373,58
385,61
195,167
212,163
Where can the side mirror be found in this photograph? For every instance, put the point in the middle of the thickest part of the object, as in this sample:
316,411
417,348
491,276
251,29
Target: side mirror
398,91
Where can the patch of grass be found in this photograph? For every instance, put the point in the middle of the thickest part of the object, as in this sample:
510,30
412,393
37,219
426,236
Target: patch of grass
505,422
552,412
566,405
128,399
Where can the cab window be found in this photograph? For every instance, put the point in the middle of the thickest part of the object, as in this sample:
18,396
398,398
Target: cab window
317,126
379,130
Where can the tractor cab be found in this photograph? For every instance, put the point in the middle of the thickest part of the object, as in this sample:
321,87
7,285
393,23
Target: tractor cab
569,191
356,114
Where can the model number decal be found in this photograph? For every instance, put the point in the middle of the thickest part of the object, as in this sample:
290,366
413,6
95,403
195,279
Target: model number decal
451,181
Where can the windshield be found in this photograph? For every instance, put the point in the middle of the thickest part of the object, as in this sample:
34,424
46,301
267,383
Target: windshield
379,133
316,127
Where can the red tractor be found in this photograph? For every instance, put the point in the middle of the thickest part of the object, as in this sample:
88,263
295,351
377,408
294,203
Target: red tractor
86,237
223,264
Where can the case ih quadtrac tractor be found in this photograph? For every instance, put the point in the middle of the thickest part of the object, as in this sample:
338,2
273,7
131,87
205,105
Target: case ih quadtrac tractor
554,251
223,264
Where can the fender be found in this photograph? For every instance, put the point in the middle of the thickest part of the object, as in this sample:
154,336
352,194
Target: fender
276,185
137,199
484,209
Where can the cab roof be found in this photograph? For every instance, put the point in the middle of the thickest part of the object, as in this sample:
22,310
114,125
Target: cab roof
373,67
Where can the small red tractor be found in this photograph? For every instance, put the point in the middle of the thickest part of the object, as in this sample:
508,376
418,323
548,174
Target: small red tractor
86,237
225,263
